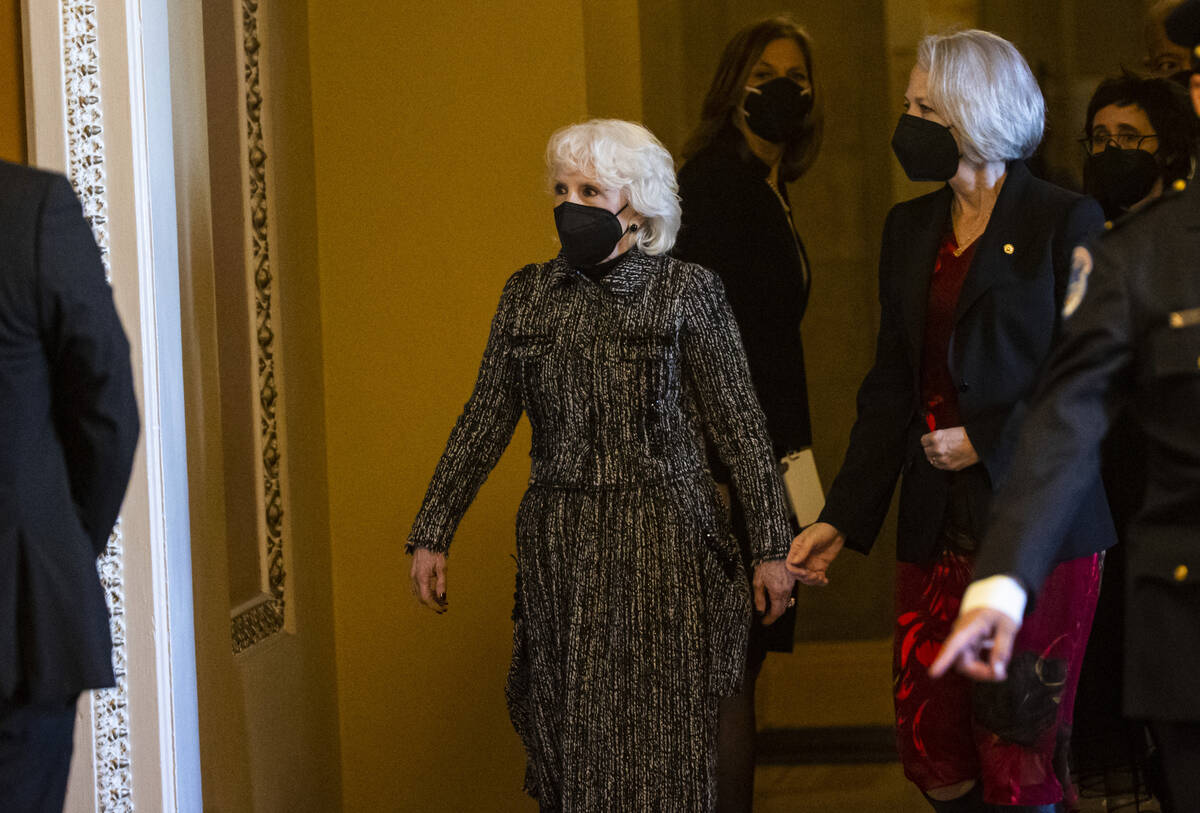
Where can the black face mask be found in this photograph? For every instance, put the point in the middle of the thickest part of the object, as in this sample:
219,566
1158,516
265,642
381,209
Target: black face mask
1119,178
778,111
926,150
588,233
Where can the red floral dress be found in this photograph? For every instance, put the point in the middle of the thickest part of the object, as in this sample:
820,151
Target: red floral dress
1010,736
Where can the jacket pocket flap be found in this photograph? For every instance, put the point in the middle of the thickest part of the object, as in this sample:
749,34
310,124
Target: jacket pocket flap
1175,350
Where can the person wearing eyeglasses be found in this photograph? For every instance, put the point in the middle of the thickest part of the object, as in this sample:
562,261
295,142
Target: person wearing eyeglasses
1138,138
1138,141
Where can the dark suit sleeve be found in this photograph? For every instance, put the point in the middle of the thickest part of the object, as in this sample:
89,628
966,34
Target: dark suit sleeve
994,433
95,411
860,495
1086,381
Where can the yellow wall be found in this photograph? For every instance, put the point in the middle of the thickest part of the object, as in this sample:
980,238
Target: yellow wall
429,126
12,87
268,716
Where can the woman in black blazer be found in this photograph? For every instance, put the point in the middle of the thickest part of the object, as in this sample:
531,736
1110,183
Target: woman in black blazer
972,281
760,129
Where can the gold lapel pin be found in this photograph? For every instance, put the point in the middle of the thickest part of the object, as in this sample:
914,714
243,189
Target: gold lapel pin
1008,248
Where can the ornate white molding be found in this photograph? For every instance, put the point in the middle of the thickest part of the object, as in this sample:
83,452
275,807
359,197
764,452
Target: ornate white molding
85,143
110,707
265,617
86,169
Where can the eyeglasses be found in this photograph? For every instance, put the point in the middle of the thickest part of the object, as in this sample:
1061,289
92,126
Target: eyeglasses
1124,141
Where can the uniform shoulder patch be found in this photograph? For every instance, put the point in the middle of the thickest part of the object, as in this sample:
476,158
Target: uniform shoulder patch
1081,268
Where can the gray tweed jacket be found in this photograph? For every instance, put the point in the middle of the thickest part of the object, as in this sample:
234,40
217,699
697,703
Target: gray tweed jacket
632,608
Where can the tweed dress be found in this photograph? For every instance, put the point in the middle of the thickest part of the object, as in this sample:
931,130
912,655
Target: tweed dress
631,605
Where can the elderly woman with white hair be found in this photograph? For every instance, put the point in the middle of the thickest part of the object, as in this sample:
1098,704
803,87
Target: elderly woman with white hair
632,606
972,280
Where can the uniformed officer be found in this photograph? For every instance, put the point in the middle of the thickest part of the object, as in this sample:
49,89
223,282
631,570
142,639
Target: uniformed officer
1131,337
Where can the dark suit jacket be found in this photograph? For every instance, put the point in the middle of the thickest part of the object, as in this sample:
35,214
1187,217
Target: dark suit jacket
1133,342
1005,321
68,428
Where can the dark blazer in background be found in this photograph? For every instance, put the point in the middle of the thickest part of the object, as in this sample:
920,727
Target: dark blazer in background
68,429
1133,342
1006,319
733,224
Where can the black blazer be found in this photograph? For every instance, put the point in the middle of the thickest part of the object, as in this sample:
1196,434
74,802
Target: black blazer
1134,342
68,429
734,225
1006,318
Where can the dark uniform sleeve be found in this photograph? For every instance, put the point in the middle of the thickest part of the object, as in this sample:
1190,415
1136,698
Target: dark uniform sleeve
479,438
860,495
1085,383
95,411
715,364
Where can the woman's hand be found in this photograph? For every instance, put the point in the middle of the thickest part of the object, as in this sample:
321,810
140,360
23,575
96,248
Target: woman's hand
813,551
772,590
429,579
949,449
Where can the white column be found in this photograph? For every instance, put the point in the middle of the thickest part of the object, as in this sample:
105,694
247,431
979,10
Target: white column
99,109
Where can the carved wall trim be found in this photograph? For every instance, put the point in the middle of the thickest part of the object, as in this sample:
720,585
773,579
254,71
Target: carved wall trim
264,618
86,170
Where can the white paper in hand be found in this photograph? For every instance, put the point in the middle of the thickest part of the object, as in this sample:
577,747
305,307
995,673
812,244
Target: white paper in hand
803,486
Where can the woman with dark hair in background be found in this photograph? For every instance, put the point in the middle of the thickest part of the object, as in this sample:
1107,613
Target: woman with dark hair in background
1139,137
760,129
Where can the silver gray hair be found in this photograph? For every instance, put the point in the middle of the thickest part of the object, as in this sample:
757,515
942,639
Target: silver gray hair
982,86
625,156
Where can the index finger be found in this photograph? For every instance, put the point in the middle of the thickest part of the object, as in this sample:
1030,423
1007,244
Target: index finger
959,644
799,551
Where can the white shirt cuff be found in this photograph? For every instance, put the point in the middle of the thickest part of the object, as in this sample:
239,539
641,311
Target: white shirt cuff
1002,593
